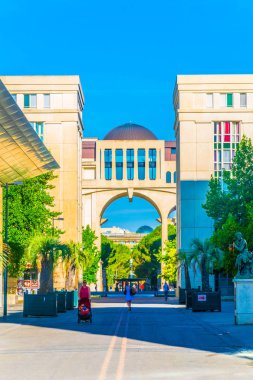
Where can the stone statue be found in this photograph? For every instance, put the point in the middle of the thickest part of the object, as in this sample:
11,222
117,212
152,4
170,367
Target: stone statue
244,260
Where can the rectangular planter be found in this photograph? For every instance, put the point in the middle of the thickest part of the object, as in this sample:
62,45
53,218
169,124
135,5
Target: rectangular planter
181,296
75,298
206,301
61,302
70,300
40,305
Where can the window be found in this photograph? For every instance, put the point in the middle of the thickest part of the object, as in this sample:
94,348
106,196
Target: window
30,100
46,100
141,164
226,100
173,150
130,164
209,100
243,100
108,164
175,177
226,140
119,164
39,129
14,97
168,177
152,163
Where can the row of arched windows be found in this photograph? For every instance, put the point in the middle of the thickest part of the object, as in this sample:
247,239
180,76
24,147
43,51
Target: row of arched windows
168,177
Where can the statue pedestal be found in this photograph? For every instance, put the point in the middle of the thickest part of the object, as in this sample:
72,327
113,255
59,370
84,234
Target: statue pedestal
243,301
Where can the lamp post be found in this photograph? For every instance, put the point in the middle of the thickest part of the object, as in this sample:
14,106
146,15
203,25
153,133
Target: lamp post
53,219
6,187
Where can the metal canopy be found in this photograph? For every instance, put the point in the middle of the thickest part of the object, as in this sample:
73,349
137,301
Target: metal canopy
22,154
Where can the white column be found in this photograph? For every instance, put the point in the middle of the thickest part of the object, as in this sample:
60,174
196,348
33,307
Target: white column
135,164
102,164
124,165
113,164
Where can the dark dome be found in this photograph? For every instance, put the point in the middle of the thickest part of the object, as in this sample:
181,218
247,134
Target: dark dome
130,131
144,230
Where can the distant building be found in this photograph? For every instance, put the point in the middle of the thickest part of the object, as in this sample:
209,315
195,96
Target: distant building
144,230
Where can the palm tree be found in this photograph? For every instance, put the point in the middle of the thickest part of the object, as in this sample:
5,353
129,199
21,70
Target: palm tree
205,256
183,260
46,250
73,261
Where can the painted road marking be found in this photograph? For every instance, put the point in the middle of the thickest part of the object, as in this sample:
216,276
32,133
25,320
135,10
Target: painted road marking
108,356
121,363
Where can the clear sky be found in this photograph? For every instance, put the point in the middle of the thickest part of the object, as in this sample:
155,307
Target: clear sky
127,52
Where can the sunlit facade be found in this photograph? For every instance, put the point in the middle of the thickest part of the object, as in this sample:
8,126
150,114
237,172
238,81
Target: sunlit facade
129,162
213,112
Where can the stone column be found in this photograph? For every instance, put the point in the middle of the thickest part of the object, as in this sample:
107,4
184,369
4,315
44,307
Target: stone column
102,164
113,164
164,237
124,165
243,301
135,164
146,165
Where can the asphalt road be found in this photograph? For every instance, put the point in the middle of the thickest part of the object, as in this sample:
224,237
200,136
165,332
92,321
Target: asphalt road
153,341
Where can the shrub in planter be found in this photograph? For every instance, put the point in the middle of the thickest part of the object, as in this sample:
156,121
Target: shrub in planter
205,301
40,305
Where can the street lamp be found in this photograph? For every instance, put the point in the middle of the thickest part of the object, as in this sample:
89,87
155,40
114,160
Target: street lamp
53,219
6,187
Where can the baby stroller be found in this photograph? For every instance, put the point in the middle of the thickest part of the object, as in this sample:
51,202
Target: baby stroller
84,311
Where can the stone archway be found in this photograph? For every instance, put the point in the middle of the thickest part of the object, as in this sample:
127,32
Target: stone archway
162,201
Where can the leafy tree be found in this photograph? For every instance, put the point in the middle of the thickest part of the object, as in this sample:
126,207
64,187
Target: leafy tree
118,263
206,257
232,209
169,261
30,213
72,263
45,251
89,257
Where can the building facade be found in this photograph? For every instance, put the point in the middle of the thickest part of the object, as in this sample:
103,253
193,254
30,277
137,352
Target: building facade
53,105
213,112
129,162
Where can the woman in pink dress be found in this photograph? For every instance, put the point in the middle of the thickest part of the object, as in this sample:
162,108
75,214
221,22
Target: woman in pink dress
84,293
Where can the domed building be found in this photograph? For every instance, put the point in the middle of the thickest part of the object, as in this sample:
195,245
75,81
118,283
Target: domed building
144,230
129,162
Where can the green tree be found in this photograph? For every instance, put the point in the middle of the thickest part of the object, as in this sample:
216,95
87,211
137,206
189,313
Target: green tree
89,257
44,252
205,256
118,263
232,209
30,213
169,261
72,263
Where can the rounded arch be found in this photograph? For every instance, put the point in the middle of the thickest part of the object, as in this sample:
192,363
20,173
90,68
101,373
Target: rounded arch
125,194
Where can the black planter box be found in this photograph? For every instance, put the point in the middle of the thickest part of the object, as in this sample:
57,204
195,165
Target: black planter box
61,302
206,301
40,305
75,298
181,296
188,298
70,300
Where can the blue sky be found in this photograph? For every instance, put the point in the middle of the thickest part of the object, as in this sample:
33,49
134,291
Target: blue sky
127,53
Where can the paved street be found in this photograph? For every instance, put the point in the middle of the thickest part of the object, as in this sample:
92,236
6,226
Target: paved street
154,341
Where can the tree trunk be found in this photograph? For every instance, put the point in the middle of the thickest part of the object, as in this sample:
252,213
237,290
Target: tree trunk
46,277
205,277
187,277
70,277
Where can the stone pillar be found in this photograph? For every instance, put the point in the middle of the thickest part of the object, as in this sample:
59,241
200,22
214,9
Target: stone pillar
158,164
124,165
164,237
113,164
243,301
102,169
135,164
146,165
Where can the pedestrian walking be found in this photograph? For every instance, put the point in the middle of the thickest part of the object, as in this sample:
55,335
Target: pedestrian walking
129,295
84,293
166,291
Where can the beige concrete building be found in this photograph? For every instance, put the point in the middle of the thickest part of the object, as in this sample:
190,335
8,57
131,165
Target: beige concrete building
129,162
212,114
53,105
23,155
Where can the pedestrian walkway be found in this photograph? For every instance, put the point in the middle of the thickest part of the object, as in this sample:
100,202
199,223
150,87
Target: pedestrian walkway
156,340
